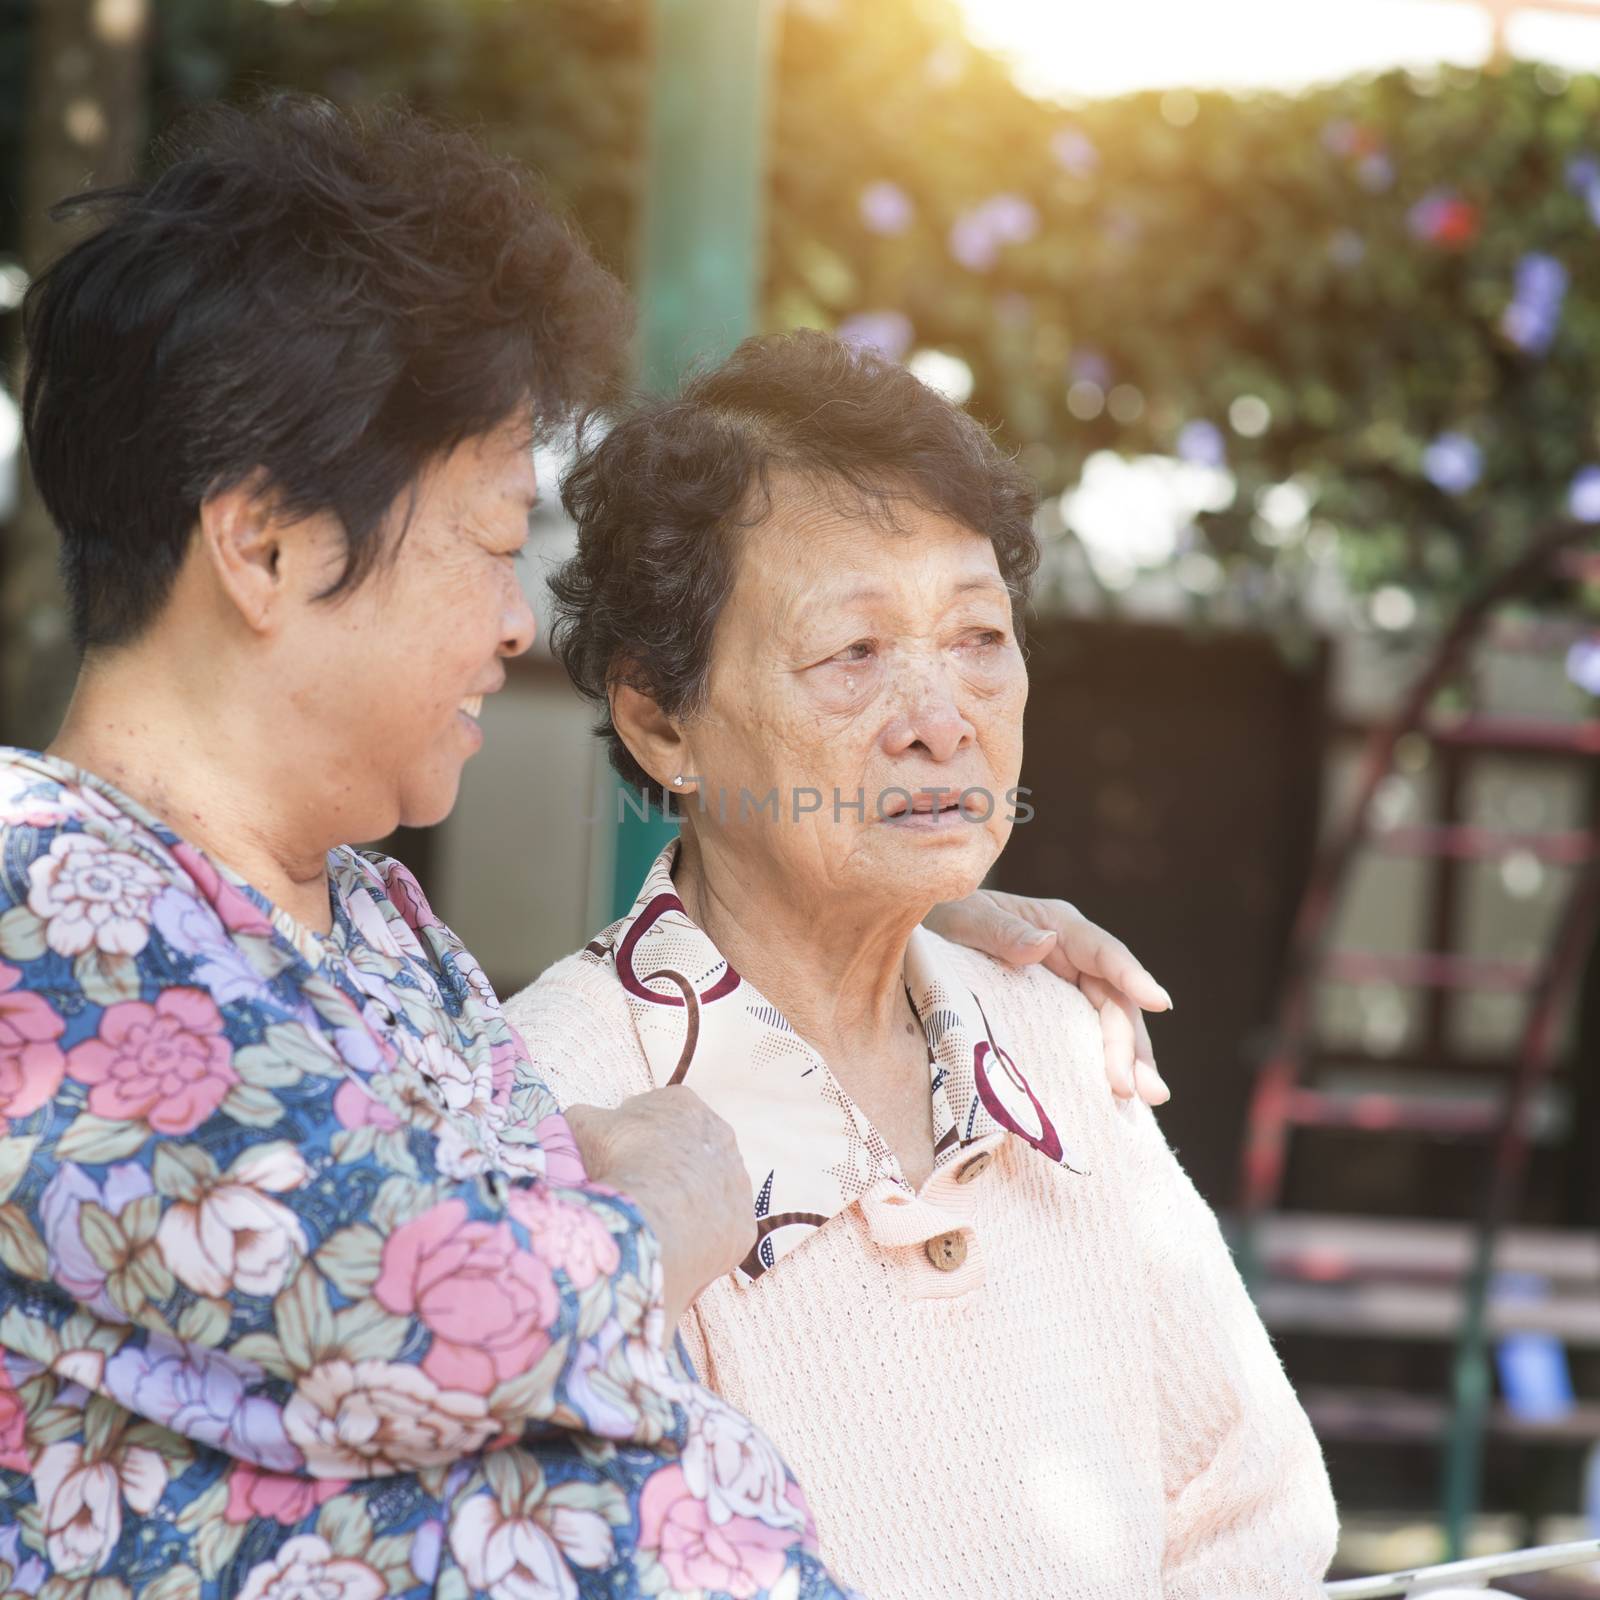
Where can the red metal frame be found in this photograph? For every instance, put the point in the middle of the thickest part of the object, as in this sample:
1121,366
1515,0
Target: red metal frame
1282,1103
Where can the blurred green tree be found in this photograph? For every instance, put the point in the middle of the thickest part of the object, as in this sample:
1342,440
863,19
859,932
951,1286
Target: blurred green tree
1386,290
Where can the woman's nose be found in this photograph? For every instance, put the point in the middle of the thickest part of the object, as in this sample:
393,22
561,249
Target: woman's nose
933,720
518,627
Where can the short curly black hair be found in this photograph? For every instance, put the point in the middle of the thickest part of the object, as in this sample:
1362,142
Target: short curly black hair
327,299
658,498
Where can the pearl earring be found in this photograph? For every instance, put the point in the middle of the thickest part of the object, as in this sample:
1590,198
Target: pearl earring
677,783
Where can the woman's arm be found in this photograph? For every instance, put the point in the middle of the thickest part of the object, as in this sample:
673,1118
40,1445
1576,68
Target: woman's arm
201,1199
582,1047
1249,1511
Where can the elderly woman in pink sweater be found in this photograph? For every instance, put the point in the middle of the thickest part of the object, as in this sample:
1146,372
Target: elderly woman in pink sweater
986,1317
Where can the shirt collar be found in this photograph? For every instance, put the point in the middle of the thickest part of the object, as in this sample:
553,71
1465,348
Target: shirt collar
809,1149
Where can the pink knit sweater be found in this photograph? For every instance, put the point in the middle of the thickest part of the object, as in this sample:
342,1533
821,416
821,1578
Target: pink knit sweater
1054,1388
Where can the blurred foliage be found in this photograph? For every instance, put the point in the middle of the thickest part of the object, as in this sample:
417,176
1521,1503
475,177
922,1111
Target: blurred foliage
1346,257
561,84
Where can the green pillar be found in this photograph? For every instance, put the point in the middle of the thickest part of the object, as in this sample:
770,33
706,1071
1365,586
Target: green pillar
700,251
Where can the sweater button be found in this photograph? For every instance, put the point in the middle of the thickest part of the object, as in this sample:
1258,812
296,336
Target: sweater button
974,1168
948,1251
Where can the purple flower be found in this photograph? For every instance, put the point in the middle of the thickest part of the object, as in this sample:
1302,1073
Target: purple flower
1089,366
204,1395
1528,328
886,208
1583,664
973,243
1583,497
1201,442
888,332
1442,217
1583,179
11,1556
192,928
1375,172
1540,287
1013,218
357,1048
1452,462
1074,151
977,234
1583,175
72,1264
1363,146
591,1389
1541,280
427,1544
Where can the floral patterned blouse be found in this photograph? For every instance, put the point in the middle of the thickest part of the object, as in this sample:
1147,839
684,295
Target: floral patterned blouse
304,1293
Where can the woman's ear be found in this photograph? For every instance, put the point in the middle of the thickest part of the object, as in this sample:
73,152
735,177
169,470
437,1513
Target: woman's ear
241,540
652,738
260,559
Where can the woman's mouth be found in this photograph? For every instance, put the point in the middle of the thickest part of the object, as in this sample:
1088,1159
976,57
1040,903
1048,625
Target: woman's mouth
930,813
467,713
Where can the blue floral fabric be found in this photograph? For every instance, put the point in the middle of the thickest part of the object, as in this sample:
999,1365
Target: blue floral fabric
304,1291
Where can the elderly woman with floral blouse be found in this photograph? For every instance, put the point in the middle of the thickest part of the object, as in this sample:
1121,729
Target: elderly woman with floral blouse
986,1316
307,1288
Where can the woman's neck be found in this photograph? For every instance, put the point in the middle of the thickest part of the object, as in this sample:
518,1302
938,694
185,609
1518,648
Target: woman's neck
835,970
139,725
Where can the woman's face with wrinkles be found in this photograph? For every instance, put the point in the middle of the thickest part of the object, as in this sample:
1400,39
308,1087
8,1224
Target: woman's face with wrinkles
865,668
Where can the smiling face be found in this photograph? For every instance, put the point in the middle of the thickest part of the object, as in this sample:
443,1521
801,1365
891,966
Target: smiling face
875,659
394,673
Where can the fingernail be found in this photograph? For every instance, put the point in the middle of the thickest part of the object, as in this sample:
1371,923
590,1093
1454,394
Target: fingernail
1166,1093
1168,998
1038,937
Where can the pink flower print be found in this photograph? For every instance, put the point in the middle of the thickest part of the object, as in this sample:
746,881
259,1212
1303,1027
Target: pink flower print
307,1569
238,912
563,1166
13,1426
567,1234
740,1556
356,1108
168,1063
488,1305
406,895
253,1493
504,1059
92,897
31,1062
735,1468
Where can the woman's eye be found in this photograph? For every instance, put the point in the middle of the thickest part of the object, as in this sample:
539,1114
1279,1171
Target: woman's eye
852,654
986,638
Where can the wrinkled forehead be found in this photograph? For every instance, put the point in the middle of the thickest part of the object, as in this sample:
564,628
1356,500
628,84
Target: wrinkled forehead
817,542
